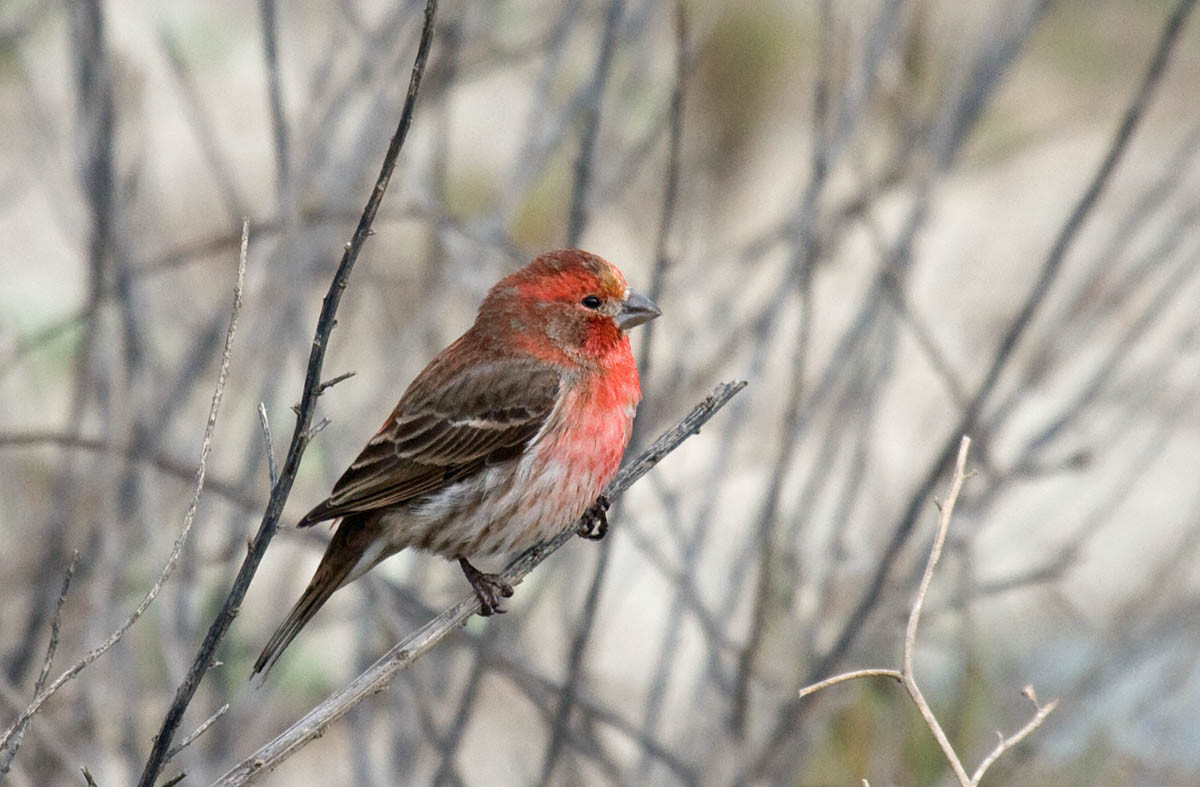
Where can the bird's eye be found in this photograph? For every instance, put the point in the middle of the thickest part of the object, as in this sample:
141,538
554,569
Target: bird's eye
591,301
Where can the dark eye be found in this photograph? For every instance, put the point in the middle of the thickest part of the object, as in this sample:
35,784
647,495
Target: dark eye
591,301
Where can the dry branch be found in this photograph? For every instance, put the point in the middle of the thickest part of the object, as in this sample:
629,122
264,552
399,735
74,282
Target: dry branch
1019,325
907,676
9,749
188,519
302,432
377,677
196,733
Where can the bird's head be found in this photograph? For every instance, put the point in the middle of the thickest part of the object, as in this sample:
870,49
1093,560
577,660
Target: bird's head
577,301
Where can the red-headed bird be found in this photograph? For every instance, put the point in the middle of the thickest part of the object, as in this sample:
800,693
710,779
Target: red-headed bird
507,436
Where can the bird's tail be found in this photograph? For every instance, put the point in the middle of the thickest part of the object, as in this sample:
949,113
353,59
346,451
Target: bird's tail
345,553
314,597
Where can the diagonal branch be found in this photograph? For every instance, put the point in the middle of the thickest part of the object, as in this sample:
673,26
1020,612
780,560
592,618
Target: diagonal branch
1006,743
377,677
302,433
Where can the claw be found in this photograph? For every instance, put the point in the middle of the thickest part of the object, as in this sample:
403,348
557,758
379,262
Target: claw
489,588
595,520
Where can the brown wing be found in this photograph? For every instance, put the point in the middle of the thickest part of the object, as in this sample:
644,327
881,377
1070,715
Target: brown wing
485,414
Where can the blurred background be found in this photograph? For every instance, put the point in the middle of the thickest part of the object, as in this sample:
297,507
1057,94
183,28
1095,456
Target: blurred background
899,220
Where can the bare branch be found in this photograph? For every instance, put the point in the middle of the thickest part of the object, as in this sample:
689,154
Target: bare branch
577,217
335,380
914,618
300,436
380,674
1007,743
196,733
160,462
813,688
188,519
1016,330
907,677
272,470
9,751
327,385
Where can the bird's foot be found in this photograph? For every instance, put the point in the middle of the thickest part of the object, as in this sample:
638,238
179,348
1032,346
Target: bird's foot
594,524
489,588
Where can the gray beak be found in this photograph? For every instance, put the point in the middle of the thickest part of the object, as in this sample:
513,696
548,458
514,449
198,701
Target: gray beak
635,310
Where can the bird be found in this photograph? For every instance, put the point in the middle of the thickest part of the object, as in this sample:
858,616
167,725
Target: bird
506,437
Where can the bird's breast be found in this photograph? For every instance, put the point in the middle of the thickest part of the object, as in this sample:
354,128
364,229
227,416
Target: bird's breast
509,507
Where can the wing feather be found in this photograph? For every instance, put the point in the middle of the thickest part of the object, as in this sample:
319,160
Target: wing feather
440,434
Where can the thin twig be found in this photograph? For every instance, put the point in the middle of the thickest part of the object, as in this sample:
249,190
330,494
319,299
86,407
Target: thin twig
813,688
188,518
279,128
906,674
1007,743
308,401
326,386
10,750
164,464
55,623
272,470
196,733
658,273
334,381
577,217
376,678
914,618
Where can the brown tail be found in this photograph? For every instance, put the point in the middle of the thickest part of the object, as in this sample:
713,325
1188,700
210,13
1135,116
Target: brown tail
355,533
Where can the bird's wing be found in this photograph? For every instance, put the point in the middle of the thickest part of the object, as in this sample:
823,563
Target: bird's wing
442,433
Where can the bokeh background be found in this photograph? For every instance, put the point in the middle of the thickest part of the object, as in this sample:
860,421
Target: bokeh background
899,220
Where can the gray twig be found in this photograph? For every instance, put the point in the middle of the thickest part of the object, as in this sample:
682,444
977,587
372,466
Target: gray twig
9,751
577,218
272,470
196,733
161,462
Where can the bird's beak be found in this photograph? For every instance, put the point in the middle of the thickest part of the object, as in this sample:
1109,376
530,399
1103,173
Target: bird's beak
635,310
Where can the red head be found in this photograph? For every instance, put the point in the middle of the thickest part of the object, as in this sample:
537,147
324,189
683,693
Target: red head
566,305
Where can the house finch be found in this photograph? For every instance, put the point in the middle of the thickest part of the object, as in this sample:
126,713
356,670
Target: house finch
504,439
